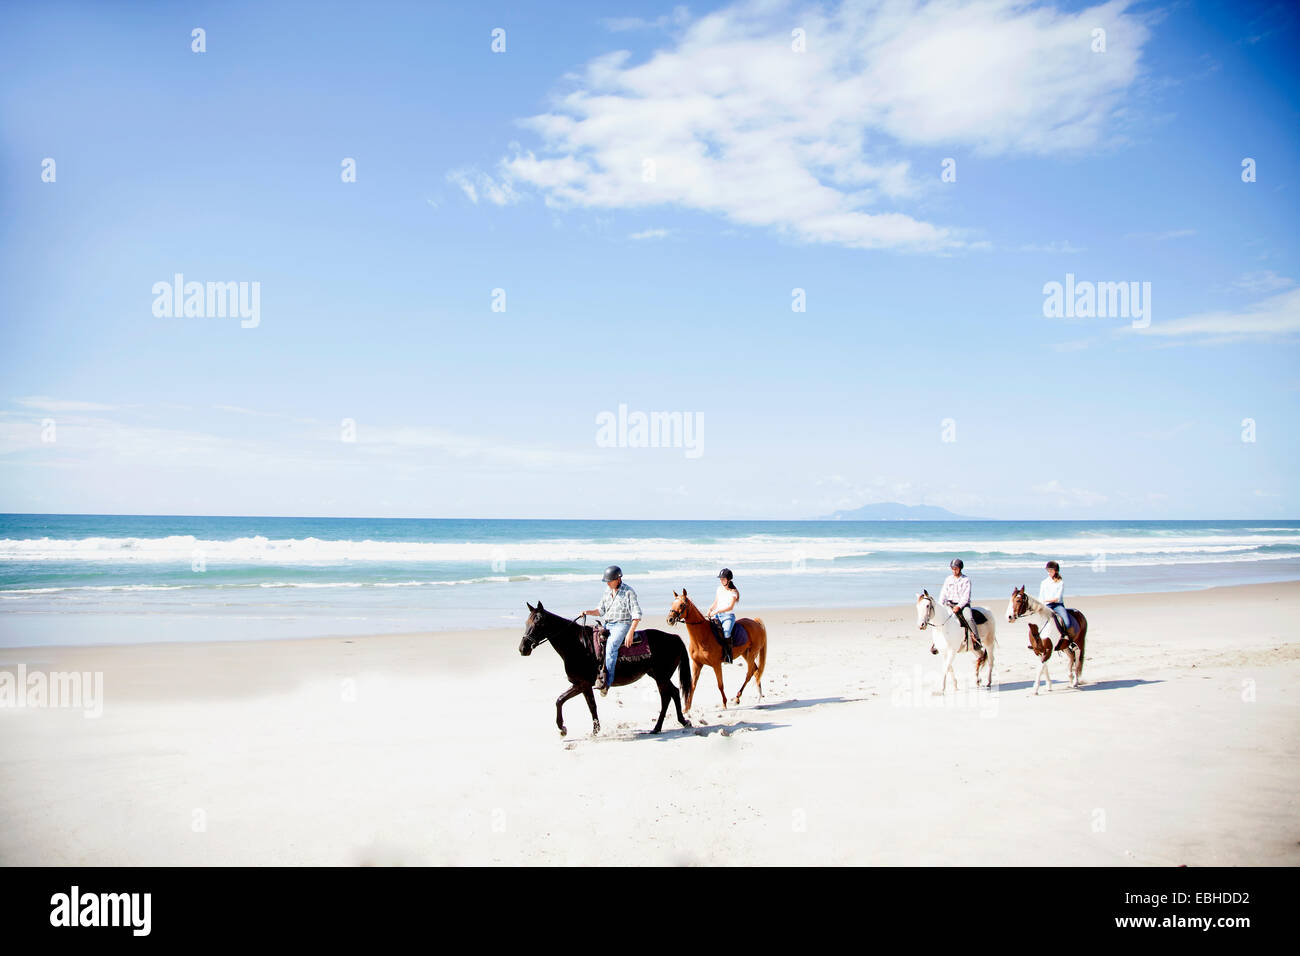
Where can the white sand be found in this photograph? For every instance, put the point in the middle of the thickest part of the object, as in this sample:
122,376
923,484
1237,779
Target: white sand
414,749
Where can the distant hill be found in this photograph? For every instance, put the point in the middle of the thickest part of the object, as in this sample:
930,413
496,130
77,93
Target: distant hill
892,511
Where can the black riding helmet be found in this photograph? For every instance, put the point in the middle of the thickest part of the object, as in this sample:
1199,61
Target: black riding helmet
956,563
725,573
612,573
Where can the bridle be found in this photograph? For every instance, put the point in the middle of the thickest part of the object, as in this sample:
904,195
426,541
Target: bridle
680,615
539,641
1020,605
929,620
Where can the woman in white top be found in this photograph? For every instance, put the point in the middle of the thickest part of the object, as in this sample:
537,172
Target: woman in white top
723,606
1052,593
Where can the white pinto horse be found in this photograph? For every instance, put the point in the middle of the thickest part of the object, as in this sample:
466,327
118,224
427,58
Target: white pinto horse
949,637
1047,635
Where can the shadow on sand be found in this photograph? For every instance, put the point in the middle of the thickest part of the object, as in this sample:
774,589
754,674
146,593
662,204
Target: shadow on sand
813,702
1059,684
676,733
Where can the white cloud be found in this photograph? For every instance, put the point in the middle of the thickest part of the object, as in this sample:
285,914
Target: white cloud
90,439
678,17
733,122
57,405
474,182
1063,246
1070,497
649,234
1263,282
421,438
1274,317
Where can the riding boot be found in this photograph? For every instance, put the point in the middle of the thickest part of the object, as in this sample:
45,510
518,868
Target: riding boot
726,650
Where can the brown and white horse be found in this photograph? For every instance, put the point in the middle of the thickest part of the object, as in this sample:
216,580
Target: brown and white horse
704,648
1045,635
948,637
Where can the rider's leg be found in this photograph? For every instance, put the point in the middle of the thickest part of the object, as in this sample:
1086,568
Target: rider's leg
968,617
728,621
617,634
1066,622
1062,619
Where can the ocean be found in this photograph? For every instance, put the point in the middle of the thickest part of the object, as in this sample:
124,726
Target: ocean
90,579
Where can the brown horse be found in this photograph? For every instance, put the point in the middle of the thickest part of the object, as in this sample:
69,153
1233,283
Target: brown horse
704,648
1042,624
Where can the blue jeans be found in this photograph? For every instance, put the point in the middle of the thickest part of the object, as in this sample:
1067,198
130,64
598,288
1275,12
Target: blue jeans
728,621
1062,614
617,635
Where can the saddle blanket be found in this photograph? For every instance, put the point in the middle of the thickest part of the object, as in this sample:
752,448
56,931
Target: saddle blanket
739,636
634,648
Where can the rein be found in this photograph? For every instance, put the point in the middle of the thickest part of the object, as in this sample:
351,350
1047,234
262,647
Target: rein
931,623
539,641
690,605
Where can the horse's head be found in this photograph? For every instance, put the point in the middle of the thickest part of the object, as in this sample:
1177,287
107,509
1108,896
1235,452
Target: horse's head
1018,604
924,609
677,611
534,628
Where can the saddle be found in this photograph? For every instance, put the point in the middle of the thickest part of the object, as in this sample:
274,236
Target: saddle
634,648
739,636
972,637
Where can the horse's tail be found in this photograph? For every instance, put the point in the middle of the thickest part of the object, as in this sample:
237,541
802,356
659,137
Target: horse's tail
762,651
683,668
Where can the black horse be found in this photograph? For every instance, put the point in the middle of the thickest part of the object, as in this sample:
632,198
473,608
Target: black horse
573,643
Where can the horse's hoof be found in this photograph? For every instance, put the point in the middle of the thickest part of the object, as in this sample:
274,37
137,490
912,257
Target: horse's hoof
595,729
563,732
686,723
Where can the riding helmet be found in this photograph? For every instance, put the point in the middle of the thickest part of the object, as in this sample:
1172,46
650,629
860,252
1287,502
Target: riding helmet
612,573
725,573
956,563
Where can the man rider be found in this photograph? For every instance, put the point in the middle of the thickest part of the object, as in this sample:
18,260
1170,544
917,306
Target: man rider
620,612
956,595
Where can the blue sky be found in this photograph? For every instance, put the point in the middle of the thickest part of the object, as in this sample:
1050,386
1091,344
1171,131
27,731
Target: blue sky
774,170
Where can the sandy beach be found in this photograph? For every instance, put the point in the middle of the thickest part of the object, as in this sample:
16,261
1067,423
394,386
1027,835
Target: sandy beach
1182,747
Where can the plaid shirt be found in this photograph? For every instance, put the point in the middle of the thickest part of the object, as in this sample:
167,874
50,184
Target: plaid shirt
956,590
620,605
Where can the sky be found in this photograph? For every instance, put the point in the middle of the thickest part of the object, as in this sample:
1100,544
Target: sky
560,212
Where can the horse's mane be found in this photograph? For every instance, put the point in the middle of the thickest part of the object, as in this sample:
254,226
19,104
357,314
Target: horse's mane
583,630
690,603
1035,605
